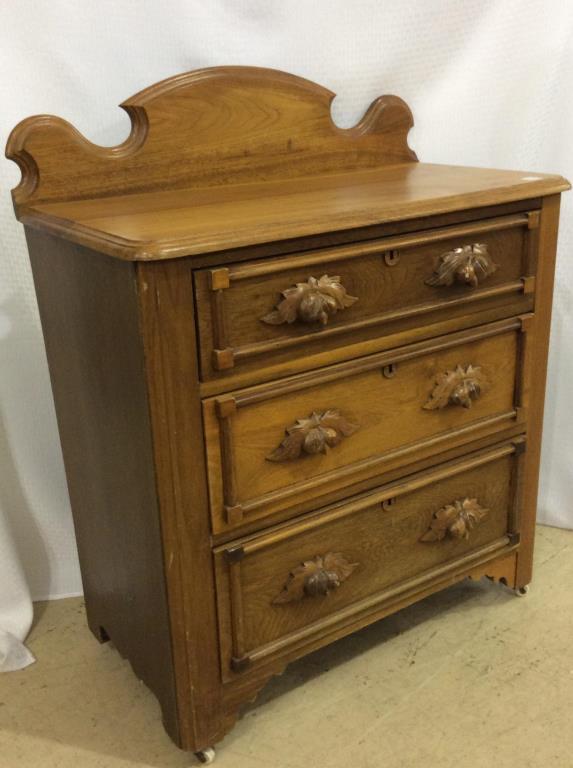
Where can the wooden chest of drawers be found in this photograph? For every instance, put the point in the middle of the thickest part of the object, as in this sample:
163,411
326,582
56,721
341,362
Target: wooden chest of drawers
299,376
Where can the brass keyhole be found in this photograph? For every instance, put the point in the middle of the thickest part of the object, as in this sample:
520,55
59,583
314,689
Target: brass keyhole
388,504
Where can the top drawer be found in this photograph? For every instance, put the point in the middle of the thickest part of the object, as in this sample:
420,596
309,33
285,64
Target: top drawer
258,313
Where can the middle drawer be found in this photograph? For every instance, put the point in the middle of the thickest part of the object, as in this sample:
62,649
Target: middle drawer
284,445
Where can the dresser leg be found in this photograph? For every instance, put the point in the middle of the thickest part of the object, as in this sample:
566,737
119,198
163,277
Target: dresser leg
205,756
522,591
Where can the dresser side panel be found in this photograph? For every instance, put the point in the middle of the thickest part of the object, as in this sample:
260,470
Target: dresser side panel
167,316
89,314
536,378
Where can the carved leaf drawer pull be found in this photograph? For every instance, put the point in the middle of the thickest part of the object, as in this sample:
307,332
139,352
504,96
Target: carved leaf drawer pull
311,302
316,577
457,387
455,520
470,265
314,434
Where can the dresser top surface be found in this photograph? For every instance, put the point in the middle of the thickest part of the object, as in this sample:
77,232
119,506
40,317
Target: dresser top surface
168,224
229,157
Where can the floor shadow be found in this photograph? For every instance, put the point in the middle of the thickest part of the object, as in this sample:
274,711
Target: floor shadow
377,634
81,690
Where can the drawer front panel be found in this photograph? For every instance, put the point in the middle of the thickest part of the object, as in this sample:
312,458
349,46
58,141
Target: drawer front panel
298,579
254,313
272,447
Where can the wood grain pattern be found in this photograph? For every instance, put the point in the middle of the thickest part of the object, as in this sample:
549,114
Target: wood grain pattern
165,299
210,127
210,566
535,383
204,139
385,544
389,295
256,151
502,570
390,413
496,558
88,308
170,224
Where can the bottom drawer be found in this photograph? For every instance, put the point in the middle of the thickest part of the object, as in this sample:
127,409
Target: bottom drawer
302,578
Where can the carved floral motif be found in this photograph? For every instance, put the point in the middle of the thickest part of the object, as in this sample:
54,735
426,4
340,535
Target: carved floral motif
455,520
470,265
312,435
316,577
311,302
457,387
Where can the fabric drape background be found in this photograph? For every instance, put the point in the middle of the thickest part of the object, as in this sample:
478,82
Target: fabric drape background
15,604
490,84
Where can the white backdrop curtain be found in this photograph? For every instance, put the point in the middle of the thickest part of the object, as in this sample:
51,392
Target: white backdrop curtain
490,84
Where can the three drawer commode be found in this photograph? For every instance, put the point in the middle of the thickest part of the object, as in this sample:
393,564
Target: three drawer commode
299,376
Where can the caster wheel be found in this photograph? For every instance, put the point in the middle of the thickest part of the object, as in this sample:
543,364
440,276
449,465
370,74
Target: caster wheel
522,591
205,756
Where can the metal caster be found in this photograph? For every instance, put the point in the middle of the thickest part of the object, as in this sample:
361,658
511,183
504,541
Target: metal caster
522,591
205,756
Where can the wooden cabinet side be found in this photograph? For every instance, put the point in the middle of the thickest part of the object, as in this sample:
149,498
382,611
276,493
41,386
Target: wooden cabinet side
89,312
536,380
167,319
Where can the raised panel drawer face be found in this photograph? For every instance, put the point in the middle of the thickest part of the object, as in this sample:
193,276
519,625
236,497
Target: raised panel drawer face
280,588
277,447
360,293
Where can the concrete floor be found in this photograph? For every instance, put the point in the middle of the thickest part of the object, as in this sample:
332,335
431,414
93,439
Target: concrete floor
471,677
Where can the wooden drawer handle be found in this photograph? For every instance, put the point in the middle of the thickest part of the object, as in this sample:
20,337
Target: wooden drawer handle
311,302
316,577
455,520
312,435
457,387
469,265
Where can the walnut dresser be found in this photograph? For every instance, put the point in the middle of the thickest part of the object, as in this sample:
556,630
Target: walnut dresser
299,376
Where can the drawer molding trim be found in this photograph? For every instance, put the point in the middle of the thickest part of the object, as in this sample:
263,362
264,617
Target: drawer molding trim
371,604
316,257
235,509
324,303
392,491
524,285
510,542
455,520
301,381
373,462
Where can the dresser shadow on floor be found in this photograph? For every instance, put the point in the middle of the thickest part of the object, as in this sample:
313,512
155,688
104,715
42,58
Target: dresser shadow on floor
461,596
82,697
